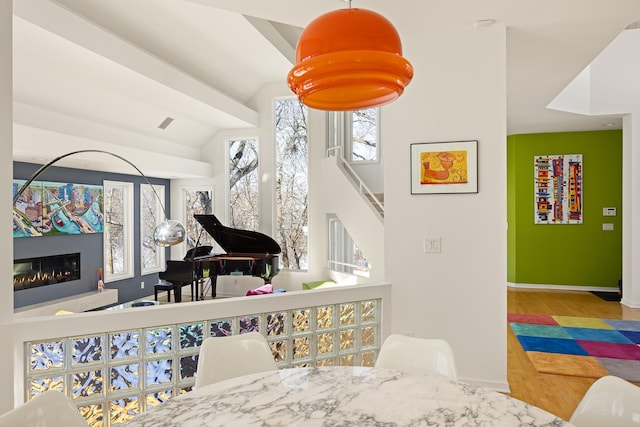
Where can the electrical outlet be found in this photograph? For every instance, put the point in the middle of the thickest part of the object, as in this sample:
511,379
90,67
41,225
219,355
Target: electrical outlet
141,285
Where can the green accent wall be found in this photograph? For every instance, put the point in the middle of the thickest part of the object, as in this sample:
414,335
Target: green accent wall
566,254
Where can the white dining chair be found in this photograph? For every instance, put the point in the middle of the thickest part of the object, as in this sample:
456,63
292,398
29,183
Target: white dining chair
610,401
411,354
222,358
49,409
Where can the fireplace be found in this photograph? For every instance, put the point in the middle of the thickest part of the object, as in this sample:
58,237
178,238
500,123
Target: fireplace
41,271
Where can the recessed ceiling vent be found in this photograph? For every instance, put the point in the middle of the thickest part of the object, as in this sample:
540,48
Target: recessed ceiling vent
165,123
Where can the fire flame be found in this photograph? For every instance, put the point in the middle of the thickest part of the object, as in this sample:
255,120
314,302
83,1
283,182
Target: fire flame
41,277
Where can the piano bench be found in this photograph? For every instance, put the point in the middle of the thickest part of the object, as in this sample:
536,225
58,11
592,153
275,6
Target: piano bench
176,288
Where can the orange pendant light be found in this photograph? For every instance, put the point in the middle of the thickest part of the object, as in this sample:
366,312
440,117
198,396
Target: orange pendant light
349,59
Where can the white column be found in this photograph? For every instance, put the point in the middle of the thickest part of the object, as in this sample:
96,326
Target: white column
6,176
631,211
6,153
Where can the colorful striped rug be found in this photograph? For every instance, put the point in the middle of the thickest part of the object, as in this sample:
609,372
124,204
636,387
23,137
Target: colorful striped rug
579,346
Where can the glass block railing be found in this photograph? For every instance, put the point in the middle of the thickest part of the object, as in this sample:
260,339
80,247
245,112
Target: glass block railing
114,375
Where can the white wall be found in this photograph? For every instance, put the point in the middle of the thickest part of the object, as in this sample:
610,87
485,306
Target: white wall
371,173
631,210
6,149
458,93
6,176
608,86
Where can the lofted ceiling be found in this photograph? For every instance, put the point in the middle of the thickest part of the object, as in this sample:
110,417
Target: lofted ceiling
107,73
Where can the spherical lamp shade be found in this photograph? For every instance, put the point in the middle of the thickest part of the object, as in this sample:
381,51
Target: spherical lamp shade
168,233
349,59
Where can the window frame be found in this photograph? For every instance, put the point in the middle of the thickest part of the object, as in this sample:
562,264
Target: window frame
347,125
204,237
127,227
304,265
158,215
340,249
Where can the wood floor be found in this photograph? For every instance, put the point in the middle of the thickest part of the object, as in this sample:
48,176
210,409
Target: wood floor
557,394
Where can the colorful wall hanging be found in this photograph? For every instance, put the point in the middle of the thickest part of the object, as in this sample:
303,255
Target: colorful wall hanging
49,208
558,189
444,167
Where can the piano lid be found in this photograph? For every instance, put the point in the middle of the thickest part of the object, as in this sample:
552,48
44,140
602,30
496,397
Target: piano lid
235,240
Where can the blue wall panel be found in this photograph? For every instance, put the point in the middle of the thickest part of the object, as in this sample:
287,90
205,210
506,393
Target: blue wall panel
89,245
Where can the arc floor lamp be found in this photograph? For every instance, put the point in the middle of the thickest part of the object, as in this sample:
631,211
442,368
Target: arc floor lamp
167,233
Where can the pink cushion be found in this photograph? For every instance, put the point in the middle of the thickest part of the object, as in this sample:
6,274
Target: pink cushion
265,289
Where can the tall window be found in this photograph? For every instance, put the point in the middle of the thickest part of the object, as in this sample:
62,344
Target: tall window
344,255
358,133
118,230
197,201
364,135
243,184
292,199
151,214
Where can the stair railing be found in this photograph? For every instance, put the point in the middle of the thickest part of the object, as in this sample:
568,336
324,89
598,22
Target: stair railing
337,152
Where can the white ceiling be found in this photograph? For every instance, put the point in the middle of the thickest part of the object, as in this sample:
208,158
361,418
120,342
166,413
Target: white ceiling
110,71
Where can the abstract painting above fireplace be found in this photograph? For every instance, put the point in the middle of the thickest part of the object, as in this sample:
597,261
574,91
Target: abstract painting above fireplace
48,208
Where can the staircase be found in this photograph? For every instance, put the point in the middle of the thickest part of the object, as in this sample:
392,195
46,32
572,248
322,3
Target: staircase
360,211
377,202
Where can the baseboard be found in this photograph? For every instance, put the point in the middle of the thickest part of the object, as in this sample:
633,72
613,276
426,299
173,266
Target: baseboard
562,287
629,303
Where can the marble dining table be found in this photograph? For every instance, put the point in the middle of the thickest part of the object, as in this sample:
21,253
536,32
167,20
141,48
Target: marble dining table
343,396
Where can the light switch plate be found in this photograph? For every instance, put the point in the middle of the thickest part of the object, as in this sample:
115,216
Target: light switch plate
432,245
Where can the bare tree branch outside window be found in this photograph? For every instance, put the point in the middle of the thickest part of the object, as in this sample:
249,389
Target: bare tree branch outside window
197,202
114,230
118,230
292,199
364,135
243,184
151,214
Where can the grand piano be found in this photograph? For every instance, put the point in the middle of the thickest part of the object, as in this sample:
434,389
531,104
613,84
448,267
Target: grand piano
247,253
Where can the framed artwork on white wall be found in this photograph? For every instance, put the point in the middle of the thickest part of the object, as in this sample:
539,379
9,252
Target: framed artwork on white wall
444,167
